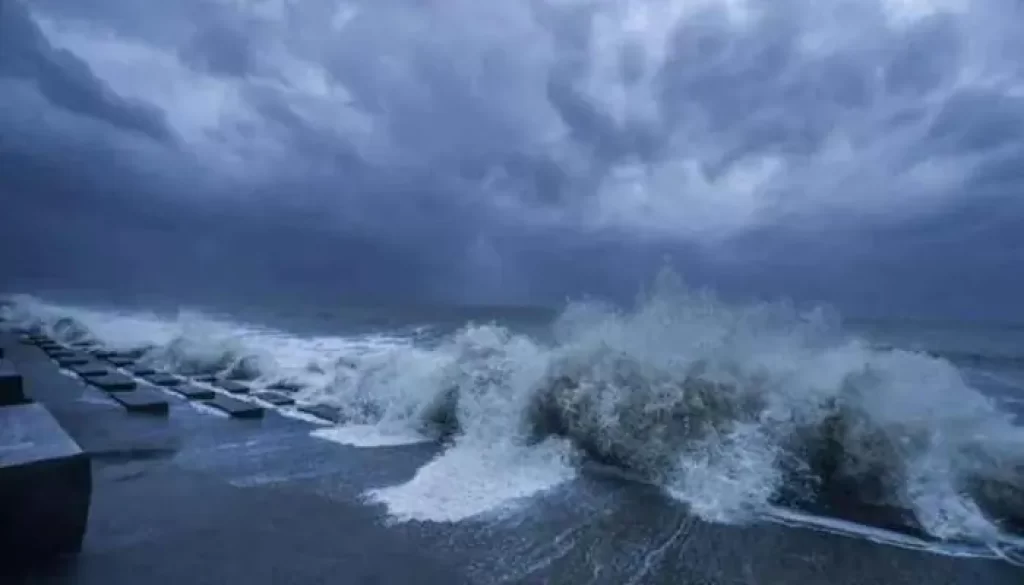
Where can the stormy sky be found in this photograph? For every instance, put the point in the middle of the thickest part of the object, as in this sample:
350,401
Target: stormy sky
867,153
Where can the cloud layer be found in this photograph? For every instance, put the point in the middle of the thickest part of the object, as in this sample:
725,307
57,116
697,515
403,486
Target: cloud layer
493,149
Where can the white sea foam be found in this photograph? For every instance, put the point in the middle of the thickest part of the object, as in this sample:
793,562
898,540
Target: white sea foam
470,480
370,436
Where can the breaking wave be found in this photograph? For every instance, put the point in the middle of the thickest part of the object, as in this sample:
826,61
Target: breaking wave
731,409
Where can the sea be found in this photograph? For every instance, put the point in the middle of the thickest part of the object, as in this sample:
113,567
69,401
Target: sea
725,420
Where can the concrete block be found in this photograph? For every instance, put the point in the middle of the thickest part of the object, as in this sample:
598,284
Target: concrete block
162,379
91,370
12,387
285,386
77,359
32,339
322,411
275,398
112,382
59,353
232,386
45,488
194,392
114,353
142,400
235,407
138,370
121,361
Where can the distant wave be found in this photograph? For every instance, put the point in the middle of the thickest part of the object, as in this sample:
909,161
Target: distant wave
970,358
732,410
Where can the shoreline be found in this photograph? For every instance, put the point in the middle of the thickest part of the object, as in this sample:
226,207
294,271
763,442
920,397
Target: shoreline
190,497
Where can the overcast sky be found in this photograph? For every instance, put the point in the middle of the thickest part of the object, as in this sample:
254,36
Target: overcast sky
866,153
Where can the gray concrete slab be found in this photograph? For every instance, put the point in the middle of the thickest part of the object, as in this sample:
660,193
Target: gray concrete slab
45,487
162,379
235,407
77,359
113,382
143,400
140,370
121,361
193,392
275,398
232,386
285,386
91,370
12,387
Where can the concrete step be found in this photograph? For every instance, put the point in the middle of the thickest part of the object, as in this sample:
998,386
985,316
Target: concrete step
12,387
194,392
58,352
275,398
235,407
292,387
232,386
162,379
113,382
121,361
77,359
91,370
107,354
45,487
143,400
138,370
36,340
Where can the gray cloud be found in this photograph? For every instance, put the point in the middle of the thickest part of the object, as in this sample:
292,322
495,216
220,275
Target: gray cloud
848,151
66,82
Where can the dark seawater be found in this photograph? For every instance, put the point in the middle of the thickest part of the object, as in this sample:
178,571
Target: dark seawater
990,355
676,441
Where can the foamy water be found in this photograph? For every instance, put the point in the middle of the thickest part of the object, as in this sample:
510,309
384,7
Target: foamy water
729,408
370,436
470,481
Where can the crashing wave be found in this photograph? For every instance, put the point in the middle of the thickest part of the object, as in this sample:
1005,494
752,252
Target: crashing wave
731,409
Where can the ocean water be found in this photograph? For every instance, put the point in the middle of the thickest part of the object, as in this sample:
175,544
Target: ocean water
741,413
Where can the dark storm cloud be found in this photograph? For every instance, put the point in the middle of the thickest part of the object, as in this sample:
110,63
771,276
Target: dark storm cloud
221,50
525,151
64,81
